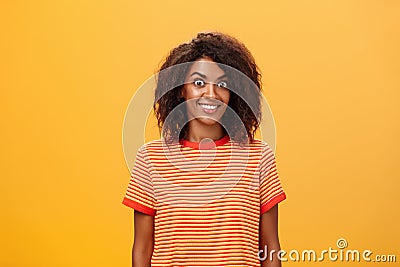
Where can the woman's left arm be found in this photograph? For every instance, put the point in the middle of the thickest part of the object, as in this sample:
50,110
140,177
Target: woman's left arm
269,240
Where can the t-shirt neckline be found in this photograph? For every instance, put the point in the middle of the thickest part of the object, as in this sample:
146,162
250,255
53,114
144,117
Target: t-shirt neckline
186,143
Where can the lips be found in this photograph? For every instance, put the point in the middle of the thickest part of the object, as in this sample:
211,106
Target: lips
209,108
206,106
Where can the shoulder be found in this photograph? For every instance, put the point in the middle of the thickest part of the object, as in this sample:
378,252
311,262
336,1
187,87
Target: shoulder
257,148
156,145
151,144
264,148
258,143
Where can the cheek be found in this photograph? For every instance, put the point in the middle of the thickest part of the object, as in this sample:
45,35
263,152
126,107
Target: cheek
189,93
226,96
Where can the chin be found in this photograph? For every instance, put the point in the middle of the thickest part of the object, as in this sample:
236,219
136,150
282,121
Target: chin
208,121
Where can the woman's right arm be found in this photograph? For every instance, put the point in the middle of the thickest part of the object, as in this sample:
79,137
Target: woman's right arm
143,239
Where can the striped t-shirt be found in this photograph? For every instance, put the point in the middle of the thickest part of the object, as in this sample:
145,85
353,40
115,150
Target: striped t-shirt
206,199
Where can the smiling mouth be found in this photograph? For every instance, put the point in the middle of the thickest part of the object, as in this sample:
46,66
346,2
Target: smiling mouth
209,108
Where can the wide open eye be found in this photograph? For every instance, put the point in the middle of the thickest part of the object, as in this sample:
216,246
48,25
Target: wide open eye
199,83
222,84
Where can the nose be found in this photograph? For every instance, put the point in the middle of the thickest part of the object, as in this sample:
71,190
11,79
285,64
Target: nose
210,90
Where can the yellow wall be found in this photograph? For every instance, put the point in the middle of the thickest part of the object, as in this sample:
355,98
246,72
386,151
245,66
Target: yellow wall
68,71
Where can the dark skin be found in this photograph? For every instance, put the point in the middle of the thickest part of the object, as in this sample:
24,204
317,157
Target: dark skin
205,83
269,236
143,239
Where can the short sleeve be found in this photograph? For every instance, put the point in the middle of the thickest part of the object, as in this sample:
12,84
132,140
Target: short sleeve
140,193
271,191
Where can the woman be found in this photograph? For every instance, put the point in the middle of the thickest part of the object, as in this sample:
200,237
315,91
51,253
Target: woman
206,193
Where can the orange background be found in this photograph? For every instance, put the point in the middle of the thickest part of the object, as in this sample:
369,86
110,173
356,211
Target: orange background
69,69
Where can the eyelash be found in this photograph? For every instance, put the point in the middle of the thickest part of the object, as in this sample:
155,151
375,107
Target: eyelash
225,84
221,84
198,85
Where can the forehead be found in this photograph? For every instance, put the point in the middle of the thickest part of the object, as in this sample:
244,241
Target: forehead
206,67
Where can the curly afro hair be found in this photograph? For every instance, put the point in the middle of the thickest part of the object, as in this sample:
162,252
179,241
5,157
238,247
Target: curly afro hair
245,94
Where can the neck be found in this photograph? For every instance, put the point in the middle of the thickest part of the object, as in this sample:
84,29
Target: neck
197,132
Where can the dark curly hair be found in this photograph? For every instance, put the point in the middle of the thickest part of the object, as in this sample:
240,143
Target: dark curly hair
223,49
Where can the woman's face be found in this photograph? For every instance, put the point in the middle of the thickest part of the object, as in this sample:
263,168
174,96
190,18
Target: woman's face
206,91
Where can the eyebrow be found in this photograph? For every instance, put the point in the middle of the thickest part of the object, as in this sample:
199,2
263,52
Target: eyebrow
205,76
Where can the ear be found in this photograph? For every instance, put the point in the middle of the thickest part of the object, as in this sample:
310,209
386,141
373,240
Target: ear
182,93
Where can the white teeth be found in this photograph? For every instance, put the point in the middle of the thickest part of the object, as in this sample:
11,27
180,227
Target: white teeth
208,106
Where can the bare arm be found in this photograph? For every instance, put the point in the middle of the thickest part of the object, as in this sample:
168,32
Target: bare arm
269,237
143,239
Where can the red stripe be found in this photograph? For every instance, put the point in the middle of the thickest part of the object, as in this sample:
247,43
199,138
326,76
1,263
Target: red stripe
139,207
272,202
